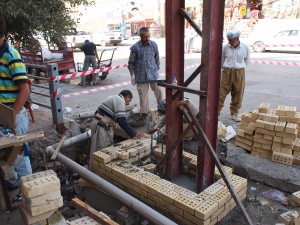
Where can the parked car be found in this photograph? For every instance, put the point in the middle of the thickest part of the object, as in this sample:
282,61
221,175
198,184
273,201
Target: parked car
76,38
280,41
104,38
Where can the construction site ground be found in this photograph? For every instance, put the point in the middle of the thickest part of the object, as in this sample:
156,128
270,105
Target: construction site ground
262,210
277,85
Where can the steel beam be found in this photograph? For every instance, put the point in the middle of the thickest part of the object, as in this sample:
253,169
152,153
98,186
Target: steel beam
174,67
212,37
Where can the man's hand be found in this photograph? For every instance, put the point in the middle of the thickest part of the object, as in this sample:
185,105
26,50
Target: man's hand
133,79
138,135
151,130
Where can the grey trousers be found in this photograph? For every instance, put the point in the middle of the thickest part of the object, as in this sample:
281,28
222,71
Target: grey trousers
88,60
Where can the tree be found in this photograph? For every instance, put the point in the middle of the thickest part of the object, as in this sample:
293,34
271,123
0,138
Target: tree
50,19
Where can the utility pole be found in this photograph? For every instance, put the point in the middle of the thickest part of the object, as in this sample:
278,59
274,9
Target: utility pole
159,18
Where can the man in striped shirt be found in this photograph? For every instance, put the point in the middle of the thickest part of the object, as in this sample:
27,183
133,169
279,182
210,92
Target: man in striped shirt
111,111
14,92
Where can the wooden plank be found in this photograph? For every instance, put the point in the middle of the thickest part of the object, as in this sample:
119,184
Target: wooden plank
12,154
53,157
20,139
94,214
7,117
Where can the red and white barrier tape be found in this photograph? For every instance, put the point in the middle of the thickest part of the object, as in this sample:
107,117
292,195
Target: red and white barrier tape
94,90
85,73
281,45
275,63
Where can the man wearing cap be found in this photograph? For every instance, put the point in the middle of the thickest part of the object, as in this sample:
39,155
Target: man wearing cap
235,57
90,52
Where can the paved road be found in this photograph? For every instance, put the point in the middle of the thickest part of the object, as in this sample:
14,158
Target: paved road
275,84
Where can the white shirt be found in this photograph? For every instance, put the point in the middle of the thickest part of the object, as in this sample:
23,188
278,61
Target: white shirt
235,58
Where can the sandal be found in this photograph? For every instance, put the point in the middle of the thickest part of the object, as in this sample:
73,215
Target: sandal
17,201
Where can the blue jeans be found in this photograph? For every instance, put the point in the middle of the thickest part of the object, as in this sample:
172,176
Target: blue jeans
21,166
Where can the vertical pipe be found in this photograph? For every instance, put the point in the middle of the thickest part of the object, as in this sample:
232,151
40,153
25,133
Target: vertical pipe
55,96
174,67
213,19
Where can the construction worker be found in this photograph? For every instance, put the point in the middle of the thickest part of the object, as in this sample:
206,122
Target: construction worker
14,92
160,127
91,54
111,111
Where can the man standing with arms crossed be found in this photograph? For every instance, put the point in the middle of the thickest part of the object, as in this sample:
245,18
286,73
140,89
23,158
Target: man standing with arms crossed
235,58
14,92
143,66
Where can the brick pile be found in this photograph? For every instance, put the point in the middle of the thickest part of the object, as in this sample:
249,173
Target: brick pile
271,133
130,150
208,207
41,196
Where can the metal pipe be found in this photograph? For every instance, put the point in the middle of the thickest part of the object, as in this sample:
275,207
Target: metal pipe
152,215
37,93
40,104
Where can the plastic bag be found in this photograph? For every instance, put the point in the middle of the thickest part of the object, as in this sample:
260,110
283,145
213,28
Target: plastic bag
221,130
47,54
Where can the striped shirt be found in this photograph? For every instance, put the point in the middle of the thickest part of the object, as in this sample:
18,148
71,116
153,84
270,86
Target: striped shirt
12,72
114,107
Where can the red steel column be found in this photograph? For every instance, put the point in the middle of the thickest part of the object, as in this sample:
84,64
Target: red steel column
174,67
213,19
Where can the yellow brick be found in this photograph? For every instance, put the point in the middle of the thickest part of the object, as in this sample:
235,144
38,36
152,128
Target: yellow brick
185,192
156,199
40,186
102,157
296,196
206,209
196,220
268,137
265,131
282,158
217,213
260,123
166,184
149,185
166,194
278,139
187,204
240,133
291,128
174,209
286,151
266,147
264,108
203,196
221,197
270,125
36,210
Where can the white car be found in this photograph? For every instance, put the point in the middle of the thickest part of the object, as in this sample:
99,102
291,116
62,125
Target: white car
104,38
285,40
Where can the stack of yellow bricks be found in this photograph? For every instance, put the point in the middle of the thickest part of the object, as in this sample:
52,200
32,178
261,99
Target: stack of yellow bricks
271,133
208,207
130,150
41,196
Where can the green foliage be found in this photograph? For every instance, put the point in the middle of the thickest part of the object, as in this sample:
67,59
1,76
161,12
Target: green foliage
50,19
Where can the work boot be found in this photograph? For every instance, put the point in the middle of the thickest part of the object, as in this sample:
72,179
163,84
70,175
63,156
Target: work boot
235,117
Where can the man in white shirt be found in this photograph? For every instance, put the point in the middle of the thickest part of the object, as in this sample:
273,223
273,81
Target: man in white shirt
235,57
